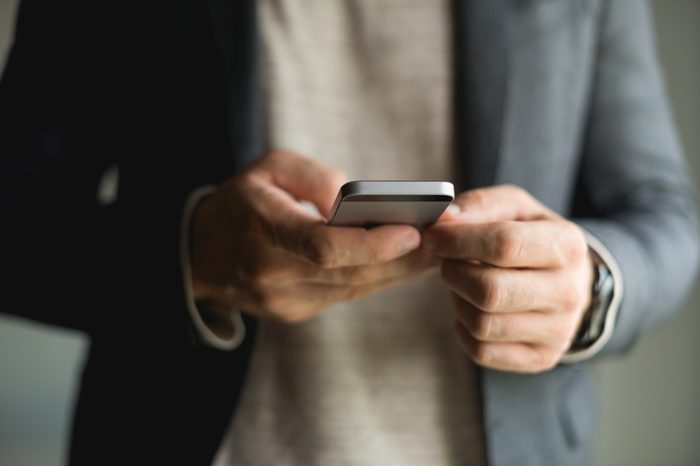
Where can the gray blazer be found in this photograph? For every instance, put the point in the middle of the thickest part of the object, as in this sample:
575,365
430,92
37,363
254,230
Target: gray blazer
577,115
561,97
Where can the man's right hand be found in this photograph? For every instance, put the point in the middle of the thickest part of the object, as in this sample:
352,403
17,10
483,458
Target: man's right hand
255,247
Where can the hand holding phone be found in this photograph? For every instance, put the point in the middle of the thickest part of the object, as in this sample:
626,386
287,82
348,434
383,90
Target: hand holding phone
253,247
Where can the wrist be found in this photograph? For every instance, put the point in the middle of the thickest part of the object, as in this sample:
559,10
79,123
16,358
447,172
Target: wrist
204,252
197,245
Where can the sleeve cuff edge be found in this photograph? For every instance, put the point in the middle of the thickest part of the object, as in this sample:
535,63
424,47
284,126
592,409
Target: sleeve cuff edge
611,316
206,334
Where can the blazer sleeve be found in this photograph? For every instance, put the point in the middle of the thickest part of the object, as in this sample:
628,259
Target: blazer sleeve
638,192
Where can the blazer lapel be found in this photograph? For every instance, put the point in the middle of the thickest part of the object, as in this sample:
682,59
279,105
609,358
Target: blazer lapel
480,69
235,27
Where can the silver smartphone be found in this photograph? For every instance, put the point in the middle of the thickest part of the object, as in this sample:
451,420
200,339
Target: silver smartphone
369,203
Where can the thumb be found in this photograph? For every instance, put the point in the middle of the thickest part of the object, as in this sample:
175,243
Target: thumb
304,178
496,204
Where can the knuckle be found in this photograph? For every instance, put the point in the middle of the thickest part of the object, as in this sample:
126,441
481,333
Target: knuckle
547,359
518,193
263,165
336,178
245,183
271,302
489,294
248,180
571,298
542,359
507,244
331,180
483,327
512,189
576,249
360,275
319,251
262,275
282,308
482,353
476,198
564,345
277,155
561,334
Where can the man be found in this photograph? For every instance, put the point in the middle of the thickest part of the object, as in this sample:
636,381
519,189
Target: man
206,288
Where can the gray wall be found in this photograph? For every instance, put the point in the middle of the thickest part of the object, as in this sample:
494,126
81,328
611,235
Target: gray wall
651,415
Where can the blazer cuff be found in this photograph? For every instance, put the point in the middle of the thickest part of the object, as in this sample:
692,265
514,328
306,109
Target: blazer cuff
206,334
572,357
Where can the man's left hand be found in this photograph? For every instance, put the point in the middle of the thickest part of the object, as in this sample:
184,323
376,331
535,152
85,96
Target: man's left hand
520,276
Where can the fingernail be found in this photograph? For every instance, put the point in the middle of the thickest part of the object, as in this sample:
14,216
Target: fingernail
454,209
409,243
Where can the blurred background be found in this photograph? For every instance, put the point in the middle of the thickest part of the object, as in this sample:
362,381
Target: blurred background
650,406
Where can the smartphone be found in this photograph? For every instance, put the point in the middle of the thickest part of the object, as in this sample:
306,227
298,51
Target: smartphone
369,203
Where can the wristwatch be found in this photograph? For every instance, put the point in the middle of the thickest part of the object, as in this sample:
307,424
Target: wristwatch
601,296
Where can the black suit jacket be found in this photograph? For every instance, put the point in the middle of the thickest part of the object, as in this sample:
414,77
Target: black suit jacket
143,85
167,90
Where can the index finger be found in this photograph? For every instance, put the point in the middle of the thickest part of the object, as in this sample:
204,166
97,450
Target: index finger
532,244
